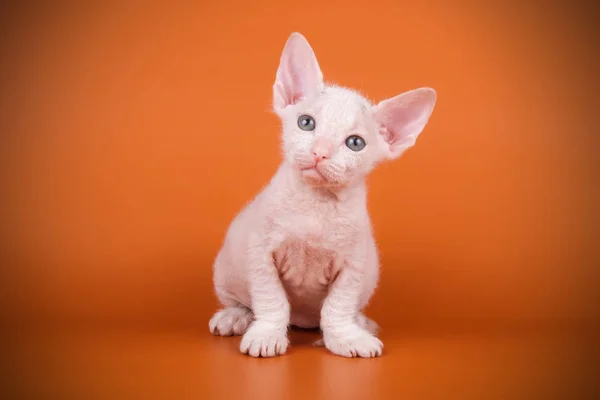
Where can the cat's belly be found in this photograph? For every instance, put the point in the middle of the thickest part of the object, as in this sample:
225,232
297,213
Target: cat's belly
306,272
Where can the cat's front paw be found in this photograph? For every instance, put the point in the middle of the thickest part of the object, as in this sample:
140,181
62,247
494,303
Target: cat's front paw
362,321
354,342
264,339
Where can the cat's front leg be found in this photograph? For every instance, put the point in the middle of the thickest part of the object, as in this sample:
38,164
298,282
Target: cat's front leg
267,336
342,334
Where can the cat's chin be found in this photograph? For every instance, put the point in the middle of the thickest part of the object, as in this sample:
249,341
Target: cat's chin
316,179
313,177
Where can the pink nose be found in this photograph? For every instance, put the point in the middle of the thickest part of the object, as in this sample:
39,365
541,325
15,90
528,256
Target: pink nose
321,150
318,156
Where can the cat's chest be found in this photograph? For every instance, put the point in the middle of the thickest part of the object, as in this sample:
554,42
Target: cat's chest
308,257
307,227
304,267
321,228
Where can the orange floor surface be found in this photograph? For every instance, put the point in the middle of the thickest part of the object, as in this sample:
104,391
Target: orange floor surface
417,365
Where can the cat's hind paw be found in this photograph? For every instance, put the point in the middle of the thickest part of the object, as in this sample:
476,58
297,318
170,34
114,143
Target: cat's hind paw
230,321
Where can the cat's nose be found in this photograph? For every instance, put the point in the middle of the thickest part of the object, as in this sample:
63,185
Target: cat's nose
318,156
321,150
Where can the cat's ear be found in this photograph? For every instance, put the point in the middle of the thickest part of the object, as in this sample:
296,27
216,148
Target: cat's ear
402,118
298,75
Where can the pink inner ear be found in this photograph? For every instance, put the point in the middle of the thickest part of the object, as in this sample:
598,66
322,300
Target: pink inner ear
402,118
298,75
387,135
292,84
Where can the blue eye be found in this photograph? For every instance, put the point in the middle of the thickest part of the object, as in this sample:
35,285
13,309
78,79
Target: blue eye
306,123
355,143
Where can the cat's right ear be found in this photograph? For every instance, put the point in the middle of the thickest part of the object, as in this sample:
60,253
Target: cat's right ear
298,76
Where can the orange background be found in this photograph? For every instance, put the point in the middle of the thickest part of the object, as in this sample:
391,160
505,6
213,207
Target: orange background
131,135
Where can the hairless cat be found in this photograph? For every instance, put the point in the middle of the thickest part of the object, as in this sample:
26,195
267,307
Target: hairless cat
302,252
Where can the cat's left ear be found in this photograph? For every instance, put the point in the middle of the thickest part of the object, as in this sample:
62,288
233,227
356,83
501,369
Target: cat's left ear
298,76
402,118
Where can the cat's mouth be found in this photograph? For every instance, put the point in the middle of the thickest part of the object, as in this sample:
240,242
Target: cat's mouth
318,175
313,174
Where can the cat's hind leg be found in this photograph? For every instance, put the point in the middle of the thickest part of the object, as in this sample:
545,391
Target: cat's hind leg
235,317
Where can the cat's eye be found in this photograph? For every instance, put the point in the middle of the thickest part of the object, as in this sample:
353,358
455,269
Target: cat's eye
355,143
306,123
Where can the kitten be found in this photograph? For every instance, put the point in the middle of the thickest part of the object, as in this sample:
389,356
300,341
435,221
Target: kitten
302,252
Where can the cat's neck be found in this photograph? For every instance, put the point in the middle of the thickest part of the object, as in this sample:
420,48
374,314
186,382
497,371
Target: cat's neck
293,180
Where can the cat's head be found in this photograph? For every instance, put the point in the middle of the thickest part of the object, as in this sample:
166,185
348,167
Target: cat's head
332,135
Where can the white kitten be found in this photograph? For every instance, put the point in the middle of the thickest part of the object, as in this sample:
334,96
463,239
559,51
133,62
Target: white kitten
302,252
